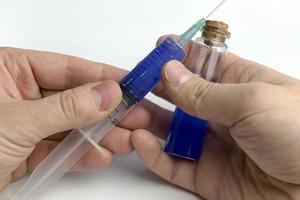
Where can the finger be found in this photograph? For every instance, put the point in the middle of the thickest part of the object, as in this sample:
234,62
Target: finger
145,115
222,103
118,141
74,108
237,70
232,69
138,117
196,177
58,71
161,119
91,160
177,171
150,116
159,89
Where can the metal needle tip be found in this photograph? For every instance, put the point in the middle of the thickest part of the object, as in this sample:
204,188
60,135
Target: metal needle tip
216,8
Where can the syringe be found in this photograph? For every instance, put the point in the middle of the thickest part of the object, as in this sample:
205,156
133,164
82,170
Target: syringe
187,35
140,81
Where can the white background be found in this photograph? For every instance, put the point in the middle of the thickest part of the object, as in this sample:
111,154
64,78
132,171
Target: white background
122,33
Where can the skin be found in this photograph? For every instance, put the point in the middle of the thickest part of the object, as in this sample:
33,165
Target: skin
42,88
250,151
252,147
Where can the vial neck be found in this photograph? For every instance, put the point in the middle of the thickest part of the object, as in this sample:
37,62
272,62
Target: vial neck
211,42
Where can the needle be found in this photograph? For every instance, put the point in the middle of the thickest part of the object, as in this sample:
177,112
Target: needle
189,34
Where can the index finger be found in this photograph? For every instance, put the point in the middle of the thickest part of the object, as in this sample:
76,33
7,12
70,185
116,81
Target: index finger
54,71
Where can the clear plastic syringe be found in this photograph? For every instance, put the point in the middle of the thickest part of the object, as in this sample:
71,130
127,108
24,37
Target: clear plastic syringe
140,81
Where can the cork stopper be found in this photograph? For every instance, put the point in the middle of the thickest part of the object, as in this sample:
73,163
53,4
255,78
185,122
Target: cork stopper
215,31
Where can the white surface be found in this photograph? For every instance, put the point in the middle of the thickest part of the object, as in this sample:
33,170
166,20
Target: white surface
123,32
126,178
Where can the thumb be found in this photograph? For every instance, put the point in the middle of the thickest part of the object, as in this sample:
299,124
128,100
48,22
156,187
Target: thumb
221,103
69,109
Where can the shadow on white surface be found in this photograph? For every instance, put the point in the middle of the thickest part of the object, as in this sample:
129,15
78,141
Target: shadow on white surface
125,178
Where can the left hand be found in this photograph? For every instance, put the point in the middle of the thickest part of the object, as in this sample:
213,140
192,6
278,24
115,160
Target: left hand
43,95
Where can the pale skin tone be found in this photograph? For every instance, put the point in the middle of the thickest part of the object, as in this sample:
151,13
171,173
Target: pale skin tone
31,85
252,147
250,152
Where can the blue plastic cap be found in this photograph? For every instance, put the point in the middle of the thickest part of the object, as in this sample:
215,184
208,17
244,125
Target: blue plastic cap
146,75
186,136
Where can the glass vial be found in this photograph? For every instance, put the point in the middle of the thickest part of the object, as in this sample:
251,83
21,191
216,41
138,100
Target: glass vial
207,54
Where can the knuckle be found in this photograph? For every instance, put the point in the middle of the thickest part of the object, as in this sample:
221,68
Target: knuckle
72,105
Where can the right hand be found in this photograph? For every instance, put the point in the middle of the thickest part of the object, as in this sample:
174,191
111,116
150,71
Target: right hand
253,144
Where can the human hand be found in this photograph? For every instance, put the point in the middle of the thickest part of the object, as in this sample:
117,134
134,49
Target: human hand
44,95
253,143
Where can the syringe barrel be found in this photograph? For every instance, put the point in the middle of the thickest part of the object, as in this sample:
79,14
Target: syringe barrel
145,76
140,81
68,153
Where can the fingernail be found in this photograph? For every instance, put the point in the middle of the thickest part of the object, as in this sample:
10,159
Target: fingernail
105,94
177,74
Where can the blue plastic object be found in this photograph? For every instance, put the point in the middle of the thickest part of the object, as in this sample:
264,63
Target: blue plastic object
186,136
145,76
